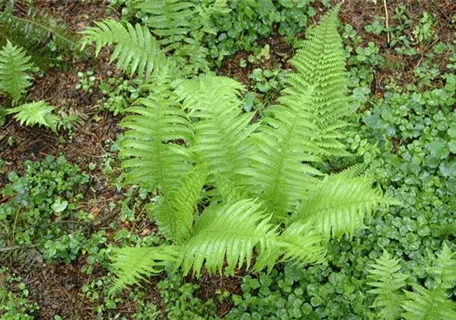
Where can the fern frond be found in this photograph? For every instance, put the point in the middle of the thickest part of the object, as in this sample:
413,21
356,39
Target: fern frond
445,268
277,172
132,265
33,32
136,50
228,232
320,67
299,243
14,65
174,213
168,19
339,204
424,304
385,277
221,130
38,112
150,148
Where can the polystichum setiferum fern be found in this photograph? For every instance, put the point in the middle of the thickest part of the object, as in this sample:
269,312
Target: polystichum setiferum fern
421,303
263,195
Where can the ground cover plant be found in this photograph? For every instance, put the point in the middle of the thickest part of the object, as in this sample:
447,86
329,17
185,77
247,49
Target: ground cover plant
227,160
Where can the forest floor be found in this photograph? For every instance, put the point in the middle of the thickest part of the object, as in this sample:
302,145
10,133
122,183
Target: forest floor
57,288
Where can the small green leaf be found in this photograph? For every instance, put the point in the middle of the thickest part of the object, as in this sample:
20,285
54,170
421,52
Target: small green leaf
59,205
438,149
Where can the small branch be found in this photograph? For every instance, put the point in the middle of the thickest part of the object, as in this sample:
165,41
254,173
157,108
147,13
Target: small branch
386,21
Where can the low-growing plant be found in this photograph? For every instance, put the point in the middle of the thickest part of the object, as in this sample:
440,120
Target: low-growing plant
42,209
262,201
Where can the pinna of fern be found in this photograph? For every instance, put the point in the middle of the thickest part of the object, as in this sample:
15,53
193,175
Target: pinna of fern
267,200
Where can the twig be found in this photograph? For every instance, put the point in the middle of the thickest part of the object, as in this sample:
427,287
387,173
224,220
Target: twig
386,21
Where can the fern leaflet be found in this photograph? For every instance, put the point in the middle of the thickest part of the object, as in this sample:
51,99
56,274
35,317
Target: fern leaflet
38,112
14,65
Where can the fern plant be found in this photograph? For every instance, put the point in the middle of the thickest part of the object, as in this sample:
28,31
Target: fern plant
264,200
421,303
15,67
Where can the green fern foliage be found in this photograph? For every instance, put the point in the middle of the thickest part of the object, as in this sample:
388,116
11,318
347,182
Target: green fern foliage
149,148
385,277
136,50
33,32
33,113
221,133
425,304
320,65
261,197
132,265
170,20
339,203
229,232
444,268
175,212
14,67
277,173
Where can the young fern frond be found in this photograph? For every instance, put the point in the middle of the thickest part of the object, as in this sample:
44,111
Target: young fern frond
132,265
14,68
230,232
425,304
38,112
149,148
221,130
385,277
136,50
277,174
338,204
320,66
174,213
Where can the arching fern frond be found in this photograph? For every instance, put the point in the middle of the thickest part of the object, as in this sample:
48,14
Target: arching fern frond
14,68
385,277
38,112
320,66
222,129
150,149
174,213
277,174
339,203
228,232
132,265
136,50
